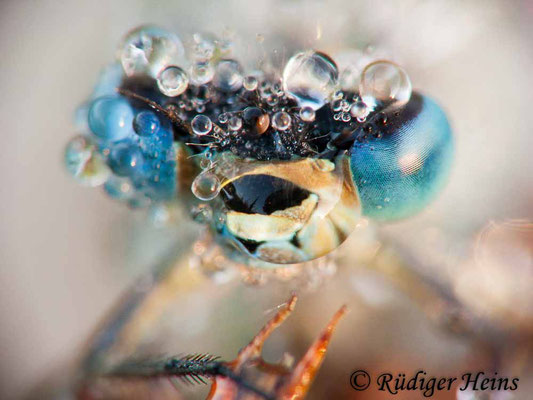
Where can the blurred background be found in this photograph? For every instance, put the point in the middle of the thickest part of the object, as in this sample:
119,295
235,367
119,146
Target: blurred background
67,252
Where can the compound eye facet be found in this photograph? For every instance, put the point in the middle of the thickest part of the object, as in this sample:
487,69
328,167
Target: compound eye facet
401,159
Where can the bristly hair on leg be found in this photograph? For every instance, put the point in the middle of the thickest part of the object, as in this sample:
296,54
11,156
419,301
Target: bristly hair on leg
192,369
247,376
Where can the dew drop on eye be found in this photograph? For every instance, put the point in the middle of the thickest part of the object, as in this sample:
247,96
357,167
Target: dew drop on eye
202,213
235,123
281,121
201,73
307,114
172,81
148,50
125,159
310,78
256,121
206,186
250,83
111,118
201,125
359,110
385,81
203,46
228,76
146,123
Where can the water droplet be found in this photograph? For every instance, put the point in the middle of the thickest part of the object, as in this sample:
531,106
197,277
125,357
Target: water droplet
125,159
346,117
201,125
311,78
256,120
202,213
345,106
205,163
281,121
349,78
204,45
146,123
385,81
83,162
228,76
206,186
265,89
250,83
359,110
338,95
111,118
172,81
381,119
307,114
223,118
148,50
235,123
225,45
201,73
272,100
336,105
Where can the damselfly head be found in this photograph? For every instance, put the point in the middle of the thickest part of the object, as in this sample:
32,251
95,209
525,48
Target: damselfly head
287,163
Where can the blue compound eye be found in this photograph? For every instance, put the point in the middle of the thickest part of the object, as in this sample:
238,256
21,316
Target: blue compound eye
401,159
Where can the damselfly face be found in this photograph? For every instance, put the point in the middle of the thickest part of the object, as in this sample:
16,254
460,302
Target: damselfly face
280,171
287,211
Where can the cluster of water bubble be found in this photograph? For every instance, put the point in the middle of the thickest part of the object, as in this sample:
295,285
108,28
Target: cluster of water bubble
312,79
382,83
127,147
150,50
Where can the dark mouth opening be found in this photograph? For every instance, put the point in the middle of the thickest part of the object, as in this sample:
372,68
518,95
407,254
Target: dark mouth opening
262,194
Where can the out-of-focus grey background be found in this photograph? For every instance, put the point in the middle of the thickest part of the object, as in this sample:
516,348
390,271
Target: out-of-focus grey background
66,252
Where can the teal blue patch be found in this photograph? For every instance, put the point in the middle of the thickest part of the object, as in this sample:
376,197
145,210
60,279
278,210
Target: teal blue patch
398,174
